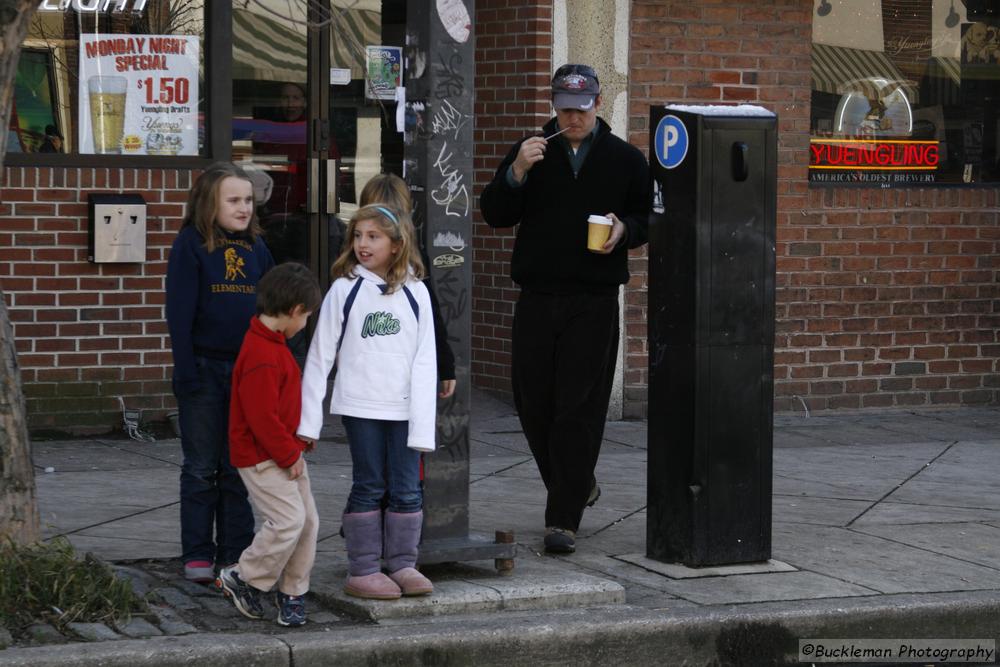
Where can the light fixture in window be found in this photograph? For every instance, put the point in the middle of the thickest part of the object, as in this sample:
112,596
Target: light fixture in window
953,16
873,107
824,8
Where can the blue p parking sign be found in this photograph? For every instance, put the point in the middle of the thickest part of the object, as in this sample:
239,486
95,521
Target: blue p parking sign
671,141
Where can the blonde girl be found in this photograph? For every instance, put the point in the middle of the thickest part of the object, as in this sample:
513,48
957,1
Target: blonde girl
375,325
392,191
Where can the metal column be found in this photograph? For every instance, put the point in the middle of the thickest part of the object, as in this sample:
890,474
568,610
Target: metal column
440,58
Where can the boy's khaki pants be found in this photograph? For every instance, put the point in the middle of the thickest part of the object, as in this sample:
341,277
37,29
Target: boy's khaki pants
284,548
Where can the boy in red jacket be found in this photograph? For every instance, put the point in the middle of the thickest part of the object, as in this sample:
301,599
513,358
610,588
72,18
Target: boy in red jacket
263,416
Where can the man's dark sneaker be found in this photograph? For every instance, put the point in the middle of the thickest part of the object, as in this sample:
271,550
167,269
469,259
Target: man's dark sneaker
244,596
560,541
595,493
291,609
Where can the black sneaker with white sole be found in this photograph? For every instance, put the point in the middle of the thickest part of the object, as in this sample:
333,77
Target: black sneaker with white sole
291,609
243,595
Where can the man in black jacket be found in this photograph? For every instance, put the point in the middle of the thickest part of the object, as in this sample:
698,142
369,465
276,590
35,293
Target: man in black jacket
565,333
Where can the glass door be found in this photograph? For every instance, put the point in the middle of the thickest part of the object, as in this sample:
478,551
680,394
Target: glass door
280,127
366,65
275,118
314,114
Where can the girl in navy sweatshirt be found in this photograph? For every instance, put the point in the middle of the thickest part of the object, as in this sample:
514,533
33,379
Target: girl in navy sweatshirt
212,273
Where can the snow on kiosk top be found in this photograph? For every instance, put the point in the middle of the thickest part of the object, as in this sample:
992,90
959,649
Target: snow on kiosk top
722,109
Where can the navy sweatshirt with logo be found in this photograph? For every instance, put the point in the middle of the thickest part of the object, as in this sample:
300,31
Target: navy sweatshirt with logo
552,206
210,299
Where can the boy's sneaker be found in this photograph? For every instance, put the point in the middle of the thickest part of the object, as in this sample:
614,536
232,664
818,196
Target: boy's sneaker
291,609
199,571
244,596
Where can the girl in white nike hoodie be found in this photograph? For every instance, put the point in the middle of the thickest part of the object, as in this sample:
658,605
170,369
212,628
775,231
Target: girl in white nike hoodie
375,324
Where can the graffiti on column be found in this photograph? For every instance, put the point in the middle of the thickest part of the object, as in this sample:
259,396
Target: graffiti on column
452,193
448,119
450,82
453,296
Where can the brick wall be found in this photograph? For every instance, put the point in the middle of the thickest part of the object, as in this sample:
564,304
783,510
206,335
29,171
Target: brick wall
888,298
86,333
885,297
513,69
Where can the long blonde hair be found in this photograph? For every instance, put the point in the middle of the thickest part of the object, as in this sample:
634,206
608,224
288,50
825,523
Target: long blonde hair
399,228
203,204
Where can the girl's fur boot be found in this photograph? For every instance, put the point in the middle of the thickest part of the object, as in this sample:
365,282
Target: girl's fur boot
363,533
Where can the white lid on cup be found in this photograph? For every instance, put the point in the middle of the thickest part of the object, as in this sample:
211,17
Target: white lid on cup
600,220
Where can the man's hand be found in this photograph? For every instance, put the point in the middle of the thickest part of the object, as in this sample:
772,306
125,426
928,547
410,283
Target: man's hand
310,443
297,468
617,232
447,388
532,150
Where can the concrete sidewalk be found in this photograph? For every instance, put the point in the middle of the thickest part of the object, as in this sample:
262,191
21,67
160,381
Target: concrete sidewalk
886,524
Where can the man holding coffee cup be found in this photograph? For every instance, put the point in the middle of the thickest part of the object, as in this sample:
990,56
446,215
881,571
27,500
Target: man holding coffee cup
580,196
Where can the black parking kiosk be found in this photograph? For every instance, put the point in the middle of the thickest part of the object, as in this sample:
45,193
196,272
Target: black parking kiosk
711,334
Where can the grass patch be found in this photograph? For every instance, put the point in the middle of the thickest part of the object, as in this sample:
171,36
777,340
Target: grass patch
48,582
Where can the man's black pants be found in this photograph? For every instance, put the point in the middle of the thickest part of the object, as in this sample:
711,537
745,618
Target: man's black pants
564,352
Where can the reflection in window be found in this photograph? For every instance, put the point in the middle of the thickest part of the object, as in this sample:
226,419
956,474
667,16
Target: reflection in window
34,122
117,81
904,92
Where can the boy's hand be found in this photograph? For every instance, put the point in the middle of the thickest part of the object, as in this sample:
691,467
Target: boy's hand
297,468
309,443
447,388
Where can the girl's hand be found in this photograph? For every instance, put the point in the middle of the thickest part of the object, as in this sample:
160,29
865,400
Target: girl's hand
447,388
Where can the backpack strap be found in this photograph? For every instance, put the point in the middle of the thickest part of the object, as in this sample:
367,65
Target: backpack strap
413,302
348,303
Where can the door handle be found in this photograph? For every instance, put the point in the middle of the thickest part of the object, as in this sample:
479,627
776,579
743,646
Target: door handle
313,185
332,176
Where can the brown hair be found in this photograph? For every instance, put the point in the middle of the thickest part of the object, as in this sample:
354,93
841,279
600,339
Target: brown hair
400,231
285,286
388,189
203,204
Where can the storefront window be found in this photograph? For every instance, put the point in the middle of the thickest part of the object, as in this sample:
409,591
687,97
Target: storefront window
905,92
120,77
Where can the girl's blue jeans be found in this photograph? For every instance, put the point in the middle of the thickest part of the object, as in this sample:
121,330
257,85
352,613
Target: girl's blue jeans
382,462
213,497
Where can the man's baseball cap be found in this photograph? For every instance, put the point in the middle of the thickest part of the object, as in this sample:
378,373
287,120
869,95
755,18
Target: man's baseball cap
575,87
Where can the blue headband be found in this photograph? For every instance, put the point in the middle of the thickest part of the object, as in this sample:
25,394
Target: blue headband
389,214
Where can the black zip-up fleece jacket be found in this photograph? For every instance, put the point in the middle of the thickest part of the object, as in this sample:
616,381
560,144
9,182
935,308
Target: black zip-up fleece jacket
552,206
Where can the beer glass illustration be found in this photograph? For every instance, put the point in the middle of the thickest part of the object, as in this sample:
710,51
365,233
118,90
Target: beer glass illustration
107,112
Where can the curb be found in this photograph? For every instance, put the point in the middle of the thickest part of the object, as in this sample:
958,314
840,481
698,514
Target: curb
247,650
472,598
748,634
752,634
